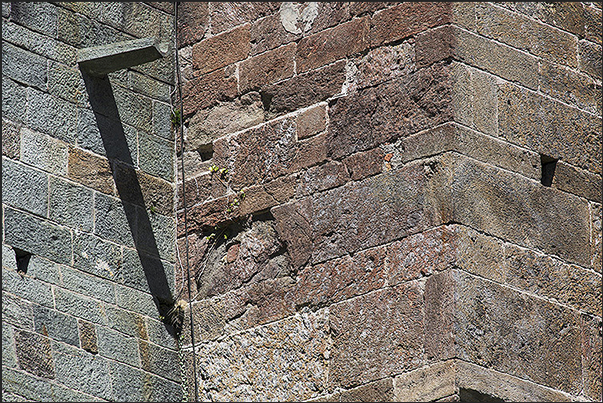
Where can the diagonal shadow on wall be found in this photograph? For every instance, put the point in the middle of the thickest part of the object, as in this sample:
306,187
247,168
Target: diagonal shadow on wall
128,186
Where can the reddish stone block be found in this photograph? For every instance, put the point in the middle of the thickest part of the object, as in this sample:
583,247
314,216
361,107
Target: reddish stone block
359,8
364,164
407,19
333,44
267,68
330,14
294,226
305,89
226,15
268,33
341,279
193,20
262,197
206,90
204,215
380,114
90,170
376,335
439,317
322,177
221,50
311,121
434,45
421,255
88,339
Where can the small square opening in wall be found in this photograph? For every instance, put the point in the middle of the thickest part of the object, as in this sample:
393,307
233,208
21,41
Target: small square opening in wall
23,258
206,152
547,165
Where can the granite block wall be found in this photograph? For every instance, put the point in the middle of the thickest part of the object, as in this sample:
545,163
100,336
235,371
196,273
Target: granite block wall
393,201
88,219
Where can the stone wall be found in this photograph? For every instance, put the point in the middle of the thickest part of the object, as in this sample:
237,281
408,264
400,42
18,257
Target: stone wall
88,219
393,201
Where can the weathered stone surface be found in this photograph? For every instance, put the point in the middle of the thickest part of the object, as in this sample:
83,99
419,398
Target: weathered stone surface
204,91
549,127
43,152
88,340
15,59
322,177
85,284
228,15
51,115
40,18
434,45
115,220
17,311
311,121
268,33
221,50
26,188
81,370
96,256
116,346
577,181
394,109
590,58
363,7
420,255
10,138
532,215
567,16
570,87
90,170
9,356
379,391
491,320
294,349
70,204
333,44
440,323
549,277
131,383
298,18
259,155
37,236
479,254
208,125
341,279
526,34
426,384
80,306
258,198
56,325
304,89
596,236
27,287
503,386
591,356
193,21
267,68
14,96
376,335
159,360
34,354
364,164
156,156
407,19
592,23
136,187
127,322
496,58
139,302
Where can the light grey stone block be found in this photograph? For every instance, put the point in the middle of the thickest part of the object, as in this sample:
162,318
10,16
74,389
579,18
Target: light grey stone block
37,236
96,256
114,220
80,306
9,356
27,288
17,311
71,204
56,325
24,188
14,100
156,156
75,280
51,115
114,345
24,67
44,152
40,17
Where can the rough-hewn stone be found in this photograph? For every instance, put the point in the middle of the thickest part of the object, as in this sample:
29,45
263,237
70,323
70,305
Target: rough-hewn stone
221,50
426,384
34,354
267,68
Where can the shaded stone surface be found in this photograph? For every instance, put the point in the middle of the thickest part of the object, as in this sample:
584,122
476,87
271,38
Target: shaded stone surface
34,354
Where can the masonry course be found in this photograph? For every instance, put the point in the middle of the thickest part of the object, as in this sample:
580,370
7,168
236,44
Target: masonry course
367,210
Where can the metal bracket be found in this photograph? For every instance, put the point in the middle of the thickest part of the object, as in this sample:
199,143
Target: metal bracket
102,60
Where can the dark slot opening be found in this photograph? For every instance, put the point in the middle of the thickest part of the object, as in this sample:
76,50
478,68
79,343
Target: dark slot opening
548,165
206,152
469,395
22,260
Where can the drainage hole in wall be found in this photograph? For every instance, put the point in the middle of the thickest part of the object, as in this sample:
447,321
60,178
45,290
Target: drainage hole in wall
23,258
548,165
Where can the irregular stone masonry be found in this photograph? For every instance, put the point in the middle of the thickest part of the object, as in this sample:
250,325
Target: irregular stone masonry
368,214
